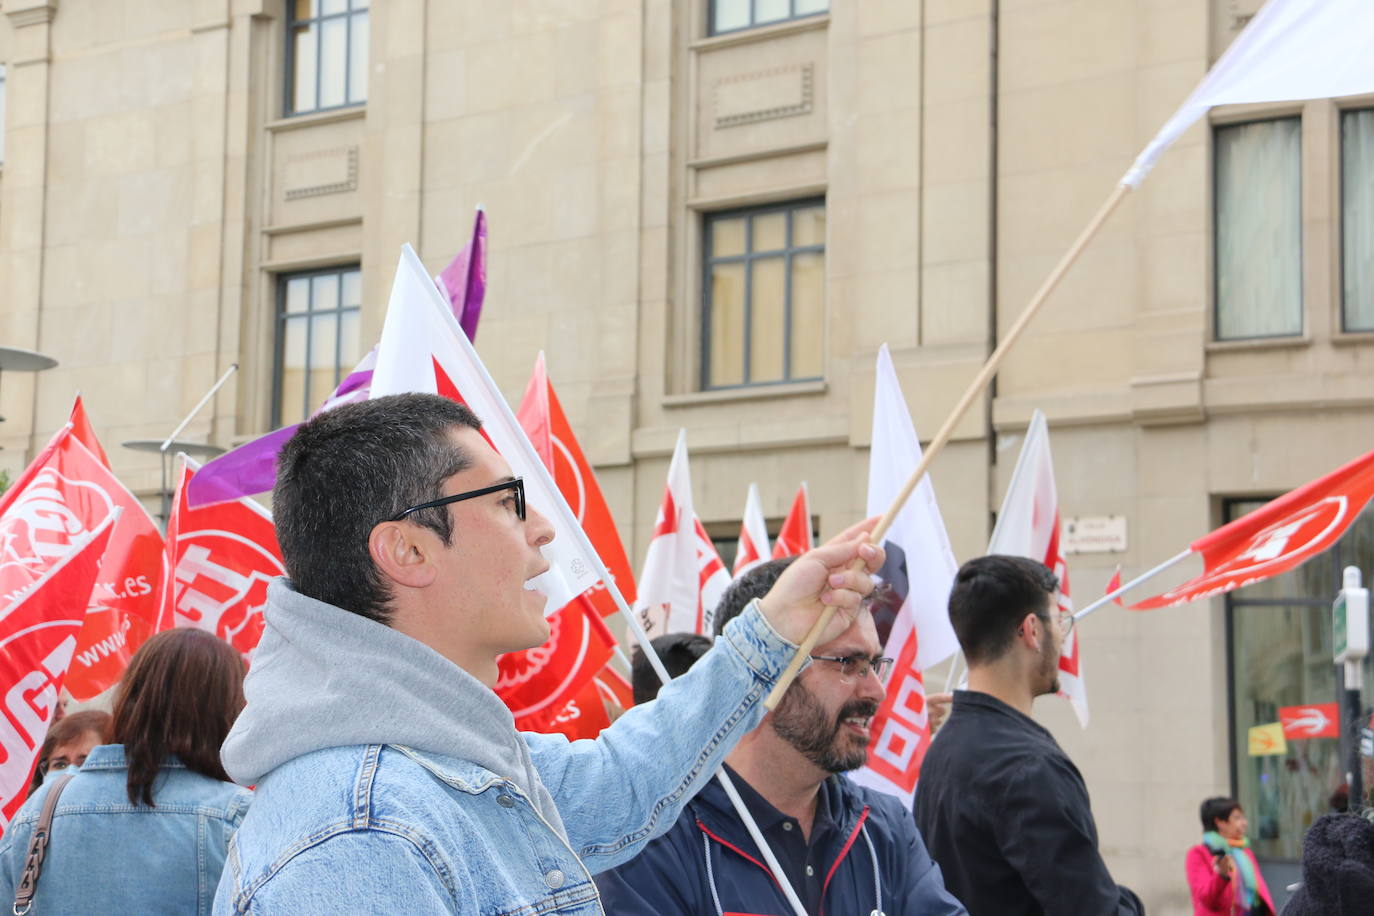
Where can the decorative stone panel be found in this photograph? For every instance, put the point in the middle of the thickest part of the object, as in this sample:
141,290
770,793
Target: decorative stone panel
780,92
329,171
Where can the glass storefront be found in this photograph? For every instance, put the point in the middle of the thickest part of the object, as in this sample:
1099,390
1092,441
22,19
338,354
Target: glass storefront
1280,655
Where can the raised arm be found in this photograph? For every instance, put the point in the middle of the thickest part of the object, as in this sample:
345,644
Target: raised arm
619,791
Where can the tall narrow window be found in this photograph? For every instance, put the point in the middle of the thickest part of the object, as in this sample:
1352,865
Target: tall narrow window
764,290
733,15
317,338
1259,230
326,54
1357,220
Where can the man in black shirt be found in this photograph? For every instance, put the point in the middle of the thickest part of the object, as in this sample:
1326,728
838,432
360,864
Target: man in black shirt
1002,809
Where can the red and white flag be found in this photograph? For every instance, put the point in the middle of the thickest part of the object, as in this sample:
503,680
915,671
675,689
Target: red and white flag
424,350
920,570
552,687
41,620
541,416
540,684
221,557
1277,536
683,577
753,535
1028,526
124,605
796,537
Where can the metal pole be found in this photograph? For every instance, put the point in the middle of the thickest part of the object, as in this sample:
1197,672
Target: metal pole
1352,710
1149,574
167,443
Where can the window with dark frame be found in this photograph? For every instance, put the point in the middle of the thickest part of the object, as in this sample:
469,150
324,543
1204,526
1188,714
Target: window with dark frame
318,313
763,295
1357,220
1279,653
733,15
1257,243
326,54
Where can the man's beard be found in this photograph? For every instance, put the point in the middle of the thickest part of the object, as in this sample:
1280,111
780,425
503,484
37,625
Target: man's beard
802,722
1050,668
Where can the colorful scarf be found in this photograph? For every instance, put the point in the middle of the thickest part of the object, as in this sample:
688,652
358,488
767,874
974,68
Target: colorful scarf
1245,866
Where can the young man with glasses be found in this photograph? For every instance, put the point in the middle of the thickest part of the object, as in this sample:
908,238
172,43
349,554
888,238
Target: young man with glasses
845,849
389,777
1003,809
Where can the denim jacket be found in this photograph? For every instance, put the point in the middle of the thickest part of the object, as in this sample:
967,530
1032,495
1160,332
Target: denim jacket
390,780
107,855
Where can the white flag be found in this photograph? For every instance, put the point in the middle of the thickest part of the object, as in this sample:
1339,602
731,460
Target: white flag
1028,526
920,568
1292,49
424,349
668,599
753,535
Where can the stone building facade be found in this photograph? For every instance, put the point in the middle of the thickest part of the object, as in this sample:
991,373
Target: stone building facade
710,214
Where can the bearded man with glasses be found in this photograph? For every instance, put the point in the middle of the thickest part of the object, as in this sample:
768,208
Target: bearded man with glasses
389,777
845,848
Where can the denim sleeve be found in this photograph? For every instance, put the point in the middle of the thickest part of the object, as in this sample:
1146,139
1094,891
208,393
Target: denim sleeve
313,882
628,786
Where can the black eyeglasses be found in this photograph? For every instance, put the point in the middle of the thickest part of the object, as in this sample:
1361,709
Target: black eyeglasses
857,667
517,484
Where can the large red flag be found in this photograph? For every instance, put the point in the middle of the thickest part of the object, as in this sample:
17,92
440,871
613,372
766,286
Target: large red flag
123,607
41,620
1277,536
796,537
221,557
541,416
550,688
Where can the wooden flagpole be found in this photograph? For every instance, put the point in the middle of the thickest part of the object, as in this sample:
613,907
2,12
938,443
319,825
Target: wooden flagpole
979,383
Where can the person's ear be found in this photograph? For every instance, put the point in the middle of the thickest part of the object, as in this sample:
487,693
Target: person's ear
401,554
1029,631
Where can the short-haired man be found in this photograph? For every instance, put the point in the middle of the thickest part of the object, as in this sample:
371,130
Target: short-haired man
1002,808
390,778
844,848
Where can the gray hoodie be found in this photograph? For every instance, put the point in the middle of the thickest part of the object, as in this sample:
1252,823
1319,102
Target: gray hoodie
323,677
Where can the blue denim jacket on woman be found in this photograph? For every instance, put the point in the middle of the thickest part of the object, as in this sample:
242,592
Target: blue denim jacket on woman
391,781
107,855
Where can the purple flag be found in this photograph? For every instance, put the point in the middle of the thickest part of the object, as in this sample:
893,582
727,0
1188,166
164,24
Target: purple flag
464,280
252,467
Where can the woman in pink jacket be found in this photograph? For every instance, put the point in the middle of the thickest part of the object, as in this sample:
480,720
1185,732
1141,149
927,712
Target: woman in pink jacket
1222,872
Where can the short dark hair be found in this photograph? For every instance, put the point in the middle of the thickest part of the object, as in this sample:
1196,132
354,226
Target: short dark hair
679,652
991,595
750,585
1217,809
351,467
179,696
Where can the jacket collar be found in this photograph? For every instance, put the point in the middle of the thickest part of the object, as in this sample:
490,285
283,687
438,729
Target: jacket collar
838,802
972,701
111,757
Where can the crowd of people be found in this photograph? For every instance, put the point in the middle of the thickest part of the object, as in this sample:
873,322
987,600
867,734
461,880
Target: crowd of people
388,777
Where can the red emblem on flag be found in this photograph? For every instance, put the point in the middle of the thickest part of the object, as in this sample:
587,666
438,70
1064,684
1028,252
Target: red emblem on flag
902,725
221,556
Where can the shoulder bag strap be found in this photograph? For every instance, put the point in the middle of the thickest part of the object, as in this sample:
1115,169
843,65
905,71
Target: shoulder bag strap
38,848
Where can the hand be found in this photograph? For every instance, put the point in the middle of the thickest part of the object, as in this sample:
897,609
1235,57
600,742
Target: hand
823,578
1224,866
938,705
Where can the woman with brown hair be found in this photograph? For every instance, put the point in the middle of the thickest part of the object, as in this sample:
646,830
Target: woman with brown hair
145,823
